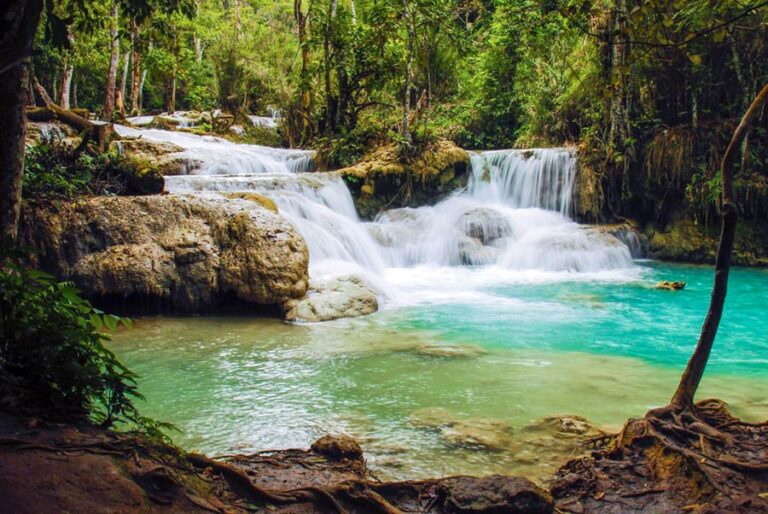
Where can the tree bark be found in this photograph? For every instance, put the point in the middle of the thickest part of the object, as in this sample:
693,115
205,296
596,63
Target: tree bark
109,91
170,93
21,18
408,70
67,72
330,100
136,79
123,88
689,382
304,85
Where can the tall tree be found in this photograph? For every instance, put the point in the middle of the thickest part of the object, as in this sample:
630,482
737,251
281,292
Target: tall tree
67,71
110,88
20,20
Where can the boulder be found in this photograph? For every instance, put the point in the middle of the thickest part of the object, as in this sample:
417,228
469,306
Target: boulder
183,253
338,447
346,296
484,224
381,180
166,158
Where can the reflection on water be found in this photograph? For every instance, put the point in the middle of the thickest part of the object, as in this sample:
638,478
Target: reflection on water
451,384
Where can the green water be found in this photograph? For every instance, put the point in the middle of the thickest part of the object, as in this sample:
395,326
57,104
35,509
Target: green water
491,362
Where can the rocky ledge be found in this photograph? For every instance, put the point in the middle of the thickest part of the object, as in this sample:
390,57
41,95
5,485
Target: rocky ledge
181,253
381,180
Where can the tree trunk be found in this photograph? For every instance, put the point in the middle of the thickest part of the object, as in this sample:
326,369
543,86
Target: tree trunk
74,95
123,88
170,93
141,87
689,383
408,70
330,100
136,79
21,18
304,85
109,91
67,72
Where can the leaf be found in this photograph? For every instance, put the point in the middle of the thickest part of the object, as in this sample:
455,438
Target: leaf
695,59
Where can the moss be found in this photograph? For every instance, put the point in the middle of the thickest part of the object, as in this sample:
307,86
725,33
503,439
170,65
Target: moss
141,176
262,200
383,180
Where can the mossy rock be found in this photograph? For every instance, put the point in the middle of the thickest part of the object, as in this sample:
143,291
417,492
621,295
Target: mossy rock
142,178
262,200
381,180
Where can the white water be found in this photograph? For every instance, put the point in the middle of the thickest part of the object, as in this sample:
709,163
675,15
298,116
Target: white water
509,225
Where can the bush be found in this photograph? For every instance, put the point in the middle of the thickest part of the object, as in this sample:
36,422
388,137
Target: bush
53,362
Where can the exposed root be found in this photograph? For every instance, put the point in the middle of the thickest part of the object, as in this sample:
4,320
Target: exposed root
671,459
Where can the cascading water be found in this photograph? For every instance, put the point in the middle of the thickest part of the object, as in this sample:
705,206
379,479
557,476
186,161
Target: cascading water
511,218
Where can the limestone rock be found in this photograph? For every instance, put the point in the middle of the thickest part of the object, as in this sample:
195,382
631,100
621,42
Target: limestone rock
484,224
382,180
183,252
166,158
346,296
670,285
338,447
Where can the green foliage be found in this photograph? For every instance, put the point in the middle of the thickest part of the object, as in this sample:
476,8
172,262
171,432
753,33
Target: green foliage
53,362
54,169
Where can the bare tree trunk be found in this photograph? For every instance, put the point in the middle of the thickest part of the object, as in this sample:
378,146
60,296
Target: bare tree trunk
689,383
141,88
74,95
304,85
330,104
123,88
109,91
67,72
408,70
136,79
170,93
21,18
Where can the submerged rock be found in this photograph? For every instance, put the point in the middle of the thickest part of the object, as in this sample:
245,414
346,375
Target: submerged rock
670,286
381,180
346,296
180,252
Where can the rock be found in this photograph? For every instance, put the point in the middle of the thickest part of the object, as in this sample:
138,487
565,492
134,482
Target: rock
142,178
494,494
449,351
183,252
472,252
262,200
484,224
167,158
346,296
670,286
493,435
381,180
628,234
338,447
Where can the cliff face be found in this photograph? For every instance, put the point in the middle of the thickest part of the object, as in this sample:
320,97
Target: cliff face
183,253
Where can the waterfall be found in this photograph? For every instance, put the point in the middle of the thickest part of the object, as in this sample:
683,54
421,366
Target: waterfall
513,214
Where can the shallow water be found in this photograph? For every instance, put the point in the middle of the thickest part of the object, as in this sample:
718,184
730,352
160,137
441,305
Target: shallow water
484,348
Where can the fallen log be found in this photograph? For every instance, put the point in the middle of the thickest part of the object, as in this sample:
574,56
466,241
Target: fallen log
100,133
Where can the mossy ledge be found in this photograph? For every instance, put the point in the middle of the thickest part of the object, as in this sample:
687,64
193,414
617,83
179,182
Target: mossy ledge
382,180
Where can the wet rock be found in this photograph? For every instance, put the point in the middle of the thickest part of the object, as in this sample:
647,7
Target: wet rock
166,158
628,234
346,296
473,252
481,433
381,180
495,494
338,447
449,351
670,285
180,252
485,225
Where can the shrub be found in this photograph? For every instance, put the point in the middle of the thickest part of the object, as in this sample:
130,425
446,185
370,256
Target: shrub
53,362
